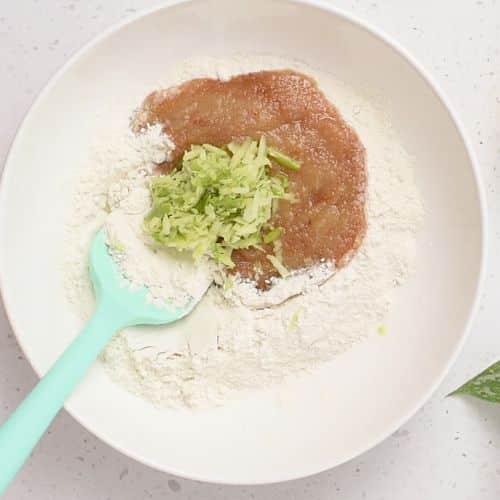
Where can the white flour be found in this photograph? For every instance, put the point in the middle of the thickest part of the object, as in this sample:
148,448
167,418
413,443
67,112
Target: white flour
171,276
224,347
119,162
299,281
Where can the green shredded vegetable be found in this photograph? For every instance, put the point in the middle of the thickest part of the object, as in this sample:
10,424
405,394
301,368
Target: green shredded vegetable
228,283
115,244
282,159
294,320
219,200
278,264
272,235
277,259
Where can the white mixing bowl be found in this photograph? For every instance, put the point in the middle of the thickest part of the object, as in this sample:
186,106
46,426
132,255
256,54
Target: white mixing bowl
372,389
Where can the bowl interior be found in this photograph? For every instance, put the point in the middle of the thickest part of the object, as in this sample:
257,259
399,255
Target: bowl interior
347,405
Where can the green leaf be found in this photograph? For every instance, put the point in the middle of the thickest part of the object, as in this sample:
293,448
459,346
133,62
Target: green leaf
485,386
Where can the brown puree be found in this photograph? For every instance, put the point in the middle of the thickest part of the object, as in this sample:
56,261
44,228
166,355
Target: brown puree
328,220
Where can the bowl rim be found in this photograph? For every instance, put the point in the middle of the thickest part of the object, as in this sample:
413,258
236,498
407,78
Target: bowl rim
389,41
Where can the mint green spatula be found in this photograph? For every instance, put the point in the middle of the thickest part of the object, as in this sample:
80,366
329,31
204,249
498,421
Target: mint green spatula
117,307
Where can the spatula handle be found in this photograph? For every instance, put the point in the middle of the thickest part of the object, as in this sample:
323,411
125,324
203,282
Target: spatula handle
24,428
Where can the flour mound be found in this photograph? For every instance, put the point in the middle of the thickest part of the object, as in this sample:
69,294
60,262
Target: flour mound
240,339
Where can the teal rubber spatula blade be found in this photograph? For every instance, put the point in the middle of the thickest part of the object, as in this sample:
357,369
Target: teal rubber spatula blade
118,306
131,304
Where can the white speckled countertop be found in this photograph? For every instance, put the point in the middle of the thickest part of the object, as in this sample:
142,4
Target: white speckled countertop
451,448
